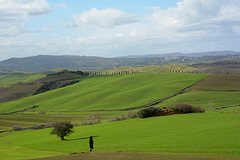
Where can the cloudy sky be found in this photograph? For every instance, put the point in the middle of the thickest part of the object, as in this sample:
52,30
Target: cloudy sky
112,28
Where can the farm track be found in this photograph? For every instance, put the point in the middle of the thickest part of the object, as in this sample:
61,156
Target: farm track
23,110
133,156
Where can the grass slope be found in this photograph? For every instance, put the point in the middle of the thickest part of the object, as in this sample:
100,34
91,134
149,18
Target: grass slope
209,134
24,85
206,99
107,92
28,120
212,92
11,79
17,92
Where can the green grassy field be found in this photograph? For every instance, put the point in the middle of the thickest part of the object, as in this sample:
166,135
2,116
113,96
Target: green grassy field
11,79
7,122
29,119
17,86
108,92
212,92
207,134
213,135
206,99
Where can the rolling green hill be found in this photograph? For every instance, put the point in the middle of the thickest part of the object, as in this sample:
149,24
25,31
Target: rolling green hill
212,92
14,86
211,135
11,79
208,134
17,86
206,99
109,92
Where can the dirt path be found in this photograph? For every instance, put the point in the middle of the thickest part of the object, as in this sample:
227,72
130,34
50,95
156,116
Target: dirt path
133,156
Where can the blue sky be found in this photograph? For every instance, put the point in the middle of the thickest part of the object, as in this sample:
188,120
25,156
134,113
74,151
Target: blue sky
113,28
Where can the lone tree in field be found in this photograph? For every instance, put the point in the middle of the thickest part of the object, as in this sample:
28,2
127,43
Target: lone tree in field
62,129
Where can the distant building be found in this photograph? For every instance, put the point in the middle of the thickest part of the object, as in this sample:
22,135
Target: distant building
64,71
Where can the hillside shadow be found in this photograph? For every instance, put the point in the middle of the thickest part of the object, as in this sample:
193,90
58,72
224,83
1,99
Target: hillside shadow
82,138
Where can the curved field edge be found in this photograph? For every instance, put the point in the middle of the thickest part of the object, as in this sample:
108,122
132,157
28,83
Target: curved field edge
108,92
206,134
206,99
133,156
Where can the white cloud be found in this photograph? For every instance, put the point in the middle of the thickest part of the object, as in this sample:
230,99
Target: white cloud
23,8
197,13
192,26
13,12
196,19
107,18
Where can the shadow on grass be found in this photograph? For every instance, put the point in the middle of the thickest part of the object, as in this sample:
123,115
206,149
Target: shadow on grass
81,138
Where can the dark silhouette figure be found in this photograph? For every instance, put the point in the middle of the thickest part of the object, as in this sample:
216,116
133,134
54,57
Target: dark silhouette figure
91,143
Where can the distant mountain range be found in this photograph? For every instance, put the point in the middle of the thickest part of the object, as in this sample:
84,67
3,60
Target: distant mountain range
45,62
179,54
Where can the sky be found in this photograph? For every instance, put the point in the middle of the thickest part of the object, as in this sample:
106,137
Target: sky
114,28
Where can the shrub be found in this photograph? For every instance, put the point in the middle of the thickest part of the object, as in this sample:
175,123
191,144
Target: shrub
188,108
17,128
132,115
166,111
114,119
50,124
84,123
129,115
75,124
148,112
39,126
93,118
124,117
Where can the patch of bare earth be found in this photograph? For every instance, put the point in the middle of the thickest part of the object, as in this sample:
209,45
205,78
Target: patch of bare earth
133,156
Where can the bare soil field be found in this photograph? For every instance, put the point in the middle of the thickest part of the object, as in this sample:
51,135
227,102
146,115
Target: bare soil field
218,83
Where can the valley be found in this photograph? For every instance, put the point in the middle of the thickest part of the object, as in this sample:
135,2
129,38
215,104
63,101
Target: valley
209,135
